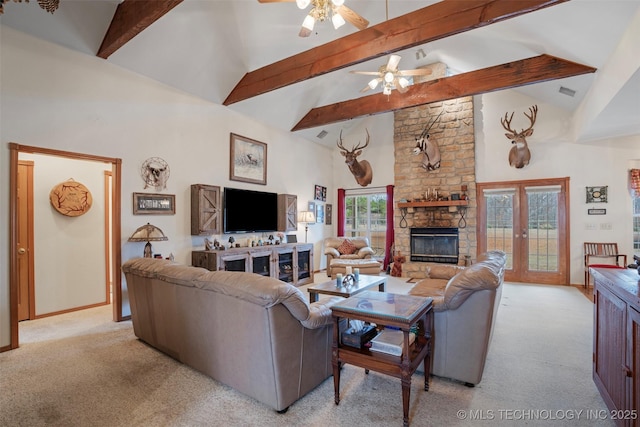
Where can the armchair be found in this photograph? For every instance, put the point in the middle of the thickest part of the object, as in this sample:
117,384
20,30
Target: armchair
607,252
346,248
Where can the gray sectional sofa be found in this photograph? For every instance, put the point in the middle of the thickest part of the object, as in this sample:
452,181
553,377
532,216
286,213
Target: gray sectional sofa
253,333
465,304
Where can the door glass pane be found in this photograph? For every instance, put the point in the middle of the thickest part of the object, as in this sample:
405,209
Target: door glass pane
543,229
366,216
500,223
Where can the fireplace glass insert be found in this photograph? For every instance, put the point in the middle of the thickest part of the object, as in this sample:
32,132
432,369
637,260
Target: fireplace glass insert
435,244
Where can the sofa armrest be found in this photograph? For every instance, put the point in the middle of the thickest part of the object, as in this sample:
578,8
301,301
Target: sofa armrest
320,313
365,252
332,251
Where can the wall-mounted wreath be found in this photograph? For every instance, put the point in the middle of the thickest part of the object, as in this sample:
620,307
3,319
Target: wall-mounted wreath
71,198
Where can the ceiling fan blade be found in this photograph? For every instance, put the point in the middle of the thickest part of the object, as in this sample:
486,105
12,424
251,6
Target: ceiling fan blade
392,64
352,17
419,72
366,73
364,89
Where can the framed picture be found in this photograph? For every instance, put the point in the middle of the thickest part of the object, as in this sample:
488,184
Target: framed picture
328,213
154,204
248,160
311,207
319,213
320,193
597,194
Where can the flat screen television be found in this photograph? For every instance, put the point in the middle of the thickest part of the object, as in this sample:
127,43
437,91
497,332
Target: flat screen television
247,211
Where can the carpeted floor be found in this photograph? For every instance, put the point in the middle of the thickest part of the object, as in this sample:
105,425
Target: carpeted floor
82,369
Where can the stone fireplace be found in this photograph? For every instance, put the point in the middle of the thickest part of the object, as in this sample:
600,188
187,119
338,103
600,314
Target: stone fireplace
454,134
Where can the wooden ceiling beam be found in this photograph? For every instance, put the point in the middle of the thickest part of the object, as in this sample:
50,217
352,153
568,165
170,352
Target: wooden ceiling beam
442,19
130,19
506,76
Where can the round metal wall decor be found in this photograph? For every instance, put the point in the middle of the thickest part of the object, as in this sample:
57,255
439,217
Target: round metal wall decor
155,173
71,198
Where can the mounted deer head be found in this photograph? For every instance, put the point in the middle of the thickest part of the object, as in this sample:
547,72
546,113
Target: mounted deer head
520,155
360,170
429,149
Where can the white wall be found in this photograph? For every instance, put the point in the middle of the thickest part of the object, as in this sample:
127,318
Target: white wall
554,154
55,98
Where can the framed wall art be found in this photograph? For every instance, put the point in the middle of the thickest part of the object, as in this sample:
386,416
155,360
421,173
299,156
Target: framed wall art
320,193
597,194
319,213
154,204
248,160
328,213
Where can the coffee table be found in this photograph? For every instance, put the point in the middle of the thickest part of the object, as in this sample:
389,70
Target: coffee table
364,283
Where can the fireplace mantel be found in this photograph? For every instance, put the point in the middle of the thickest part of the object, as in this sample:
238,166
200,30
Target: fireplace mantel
434,204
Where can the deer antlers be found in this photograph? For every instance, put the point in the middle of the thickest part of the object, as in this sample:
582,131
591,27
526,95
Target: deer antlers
357,147
506,123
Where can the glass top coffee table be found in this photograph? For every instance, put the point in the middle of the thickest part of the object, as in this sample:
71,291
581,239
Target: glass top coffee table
364,283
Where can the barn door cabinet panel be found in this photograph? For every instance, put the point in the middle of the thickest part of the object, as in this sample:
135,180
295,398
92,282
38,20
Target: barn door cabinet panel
287,212
616,341
206,209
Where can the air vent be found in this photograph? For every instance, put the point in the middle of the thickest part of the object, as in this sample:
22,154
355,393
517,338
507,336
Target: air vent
566,91
322,134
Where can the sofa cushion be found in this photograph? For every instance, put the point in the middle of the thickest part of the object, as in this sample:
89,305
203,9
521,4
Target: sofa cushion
347,247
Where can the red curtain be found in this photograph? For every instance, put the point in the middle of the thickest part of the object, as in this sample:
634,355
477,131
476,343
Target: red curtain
341,212
390,235
634,182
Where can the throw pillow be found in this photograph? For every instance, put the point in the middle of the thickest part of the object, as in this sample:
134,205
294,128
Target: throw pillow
347,247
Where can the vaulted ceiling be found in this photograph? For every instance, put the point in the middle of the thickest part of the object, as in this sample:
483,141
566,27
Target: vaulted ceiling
247,55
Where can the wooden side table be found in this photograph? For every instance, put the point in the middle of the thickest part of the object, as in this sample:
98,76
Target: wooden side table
386,309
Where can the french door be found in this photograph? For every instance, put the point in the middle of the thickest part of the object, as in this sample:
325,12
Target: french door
528,220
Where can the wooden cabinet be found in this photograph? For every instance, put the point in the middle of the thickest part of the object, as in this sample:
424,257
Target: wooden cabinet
616,342
287,212
206,210
291,263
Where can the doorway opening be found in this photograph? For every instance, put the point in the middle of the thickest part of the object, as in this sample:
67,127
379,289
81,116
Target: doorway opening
113,258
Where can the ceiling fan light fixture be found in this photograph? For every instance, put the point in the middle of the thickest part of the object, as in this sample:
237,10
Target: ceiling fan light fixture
302,4
373,83
337,2
388,77
386,90
338,20
309,22
403,82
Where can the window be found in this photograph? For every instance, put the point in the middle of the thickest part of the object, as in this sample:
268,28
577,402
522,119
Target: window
366,216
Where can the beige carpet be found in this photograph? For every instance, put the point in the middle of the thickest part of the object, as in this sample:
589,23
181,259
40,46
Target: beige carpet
81,369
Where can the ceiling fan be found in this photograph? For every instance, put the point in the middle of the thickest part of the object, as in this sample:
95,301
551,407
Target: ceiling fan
390,77
325,9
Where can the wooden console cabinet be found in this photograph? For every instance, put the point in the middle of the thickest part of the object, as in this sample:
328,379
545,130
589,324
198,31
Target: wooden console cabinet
616,342
291,263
